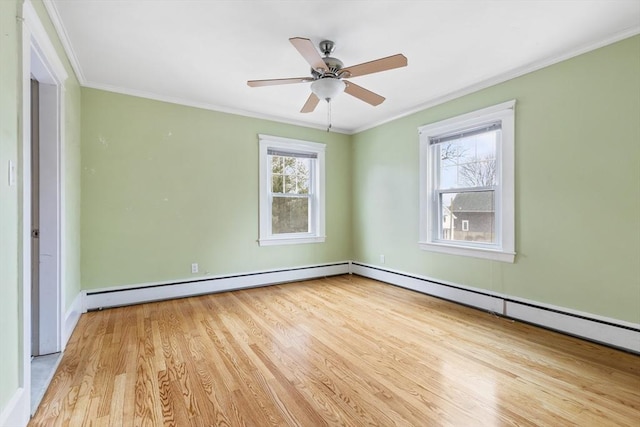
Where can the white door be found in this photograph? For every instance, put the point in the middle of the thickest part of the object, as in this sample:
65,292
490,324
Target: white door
35,219
45,220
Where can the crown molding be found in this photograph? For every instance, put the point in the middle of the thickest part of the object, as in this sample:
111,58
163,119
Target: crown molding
54,16
211,107
509,75
517,72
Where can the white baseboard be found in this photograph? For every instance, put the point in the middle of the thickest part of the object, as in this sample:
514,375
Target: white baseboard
608,332
113,297
71,319
16,413
459,295
612,332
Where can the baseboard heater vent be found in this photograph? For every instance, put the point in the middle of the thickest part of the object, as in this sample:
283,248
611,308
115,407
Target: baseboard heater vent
115,297
611,332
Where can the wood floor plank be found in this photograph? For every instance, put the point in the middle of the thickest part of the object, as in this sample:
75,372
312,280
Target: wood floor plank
343,350
116,409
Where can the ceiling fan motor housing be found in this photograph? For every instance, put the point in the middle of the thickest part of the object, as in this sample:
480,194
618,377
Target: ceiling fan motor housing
333,64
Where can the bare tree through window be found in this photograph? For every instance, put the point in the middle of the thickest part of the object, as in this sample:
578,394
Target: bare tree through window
480,173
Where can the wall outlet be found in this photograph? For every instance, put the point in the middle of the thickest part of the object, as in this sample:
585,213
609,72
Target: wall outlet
194,267
381,259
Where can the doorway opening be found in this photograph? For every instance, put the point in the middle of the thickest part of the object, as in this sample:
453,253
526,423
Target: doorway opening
43,76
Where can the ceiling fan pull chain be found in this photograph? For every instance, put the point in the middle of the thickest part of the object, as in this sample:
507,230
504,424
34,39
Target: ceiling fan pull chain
329,115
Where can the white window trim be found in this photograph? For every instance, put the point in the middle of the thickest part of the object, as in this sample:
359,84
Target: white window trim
504,250
266,238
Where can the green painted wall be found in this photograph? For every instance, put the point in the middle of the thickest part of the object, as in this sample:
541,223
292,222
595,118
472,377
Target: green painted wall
11,326
577,188
165,185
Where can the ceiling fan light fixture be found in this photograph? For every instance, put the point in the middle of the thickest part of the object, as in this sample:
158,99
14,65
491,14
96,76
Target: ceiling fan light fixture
327,88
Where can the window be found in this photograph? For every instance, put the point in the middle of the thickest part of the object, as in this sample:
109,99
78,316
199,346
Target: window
467,184
291,191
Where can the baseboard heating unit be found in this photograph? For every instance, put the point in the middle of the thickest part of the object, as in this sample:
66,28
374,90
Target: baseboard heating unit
612,332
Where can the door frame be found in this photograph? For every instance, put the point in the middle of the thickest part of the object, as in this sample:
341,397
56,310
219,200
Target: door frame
39,58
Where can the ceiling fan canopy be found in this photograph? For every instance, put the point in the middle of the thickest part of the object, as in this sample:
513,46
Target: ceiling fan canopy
328,74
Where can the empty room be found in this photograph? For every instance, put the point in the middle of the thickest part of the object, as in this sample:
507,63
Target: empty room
319,213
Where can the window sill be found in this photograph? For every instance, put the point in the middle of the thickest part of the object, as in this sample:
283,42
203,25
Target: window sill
274,241
492,254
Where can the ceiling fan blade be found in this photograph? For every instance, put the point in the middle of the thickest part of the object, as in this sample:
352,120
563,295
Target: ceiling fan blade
311,103
382,64
272,82
363,94
309,52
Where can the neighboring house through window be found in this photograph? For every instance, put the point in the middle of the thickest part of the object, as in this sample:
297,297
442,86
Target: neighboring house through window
291,191
467,184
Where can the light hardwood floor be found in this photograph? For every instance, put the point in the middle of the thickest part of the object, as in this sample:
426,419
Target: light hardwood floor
337,351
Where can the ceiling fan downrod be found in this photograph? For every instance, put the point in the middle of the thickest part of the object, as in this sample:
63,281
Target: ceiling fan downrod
327,47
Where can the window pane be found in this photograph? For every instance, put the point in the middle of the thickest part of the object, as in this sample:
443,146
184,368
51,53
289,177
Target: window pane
449,176
293,172
276,184
290,215
468,162
468,216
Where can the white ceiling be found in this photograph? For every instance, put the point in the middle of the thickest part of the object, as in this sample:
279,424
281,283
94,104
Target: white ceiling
201,53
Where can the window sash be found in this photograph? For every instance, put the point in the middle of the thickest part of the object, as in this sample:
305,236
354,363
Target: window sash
311,195
312,172
436,161
439,218
309,219
431,211
314,155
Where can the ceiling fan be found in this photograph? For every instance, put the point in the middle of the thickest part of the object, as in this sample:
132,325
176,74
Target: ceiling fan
328,74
